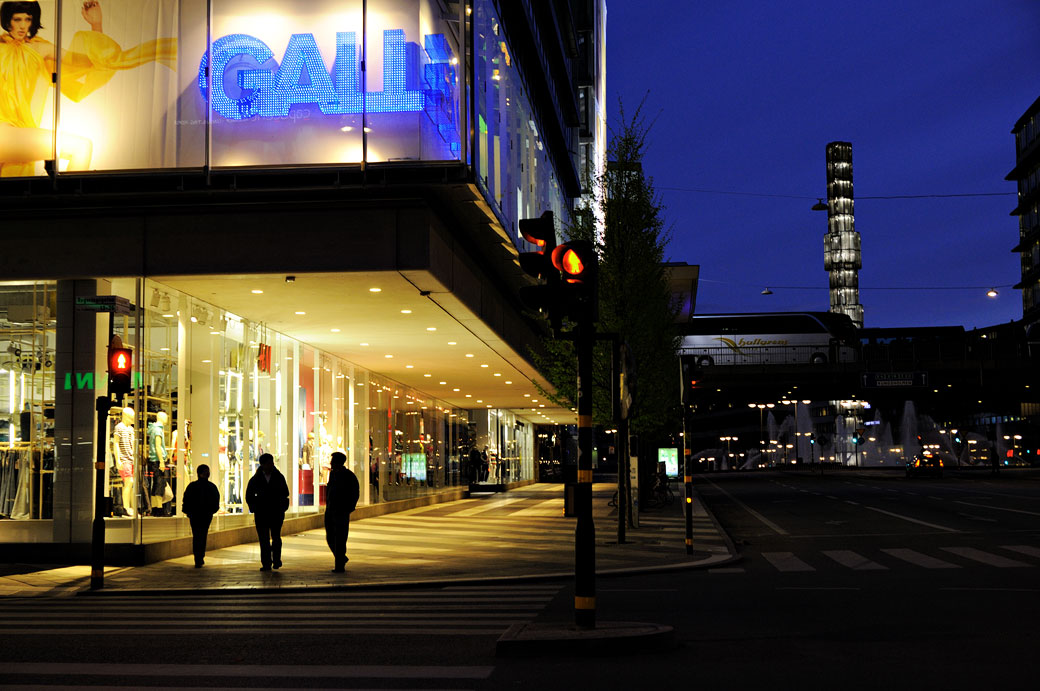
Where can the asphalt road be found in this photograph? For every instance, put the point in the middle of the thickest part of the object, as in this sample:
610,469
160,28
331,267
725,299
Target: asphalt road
850,580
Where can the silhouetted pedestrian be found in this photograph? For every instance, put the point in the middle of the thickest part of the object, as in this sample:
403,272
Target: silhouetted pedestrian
200,501
267,495
474,465
341,498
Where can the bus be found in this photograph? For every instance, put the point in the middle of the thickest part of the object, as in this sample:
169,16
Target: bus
769,338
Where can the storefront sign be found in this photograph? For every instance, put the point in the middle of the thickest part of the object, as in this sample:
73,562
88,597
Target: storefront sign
105,303
247,82
84,381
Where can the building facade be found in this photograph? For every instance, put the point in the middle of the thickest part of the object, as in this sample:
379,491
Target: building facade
302,219
1027,176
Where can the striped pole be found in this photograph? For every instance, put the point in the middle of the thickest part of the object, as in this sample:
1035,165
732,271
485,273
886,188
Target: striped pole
585,531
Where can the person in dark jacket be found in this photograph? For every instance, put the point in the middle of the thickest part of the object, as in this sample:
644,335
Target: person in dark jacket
267,495
200,501
341,497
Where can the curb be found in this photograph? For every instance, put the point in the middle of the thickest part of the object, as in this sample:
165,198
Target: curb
608,638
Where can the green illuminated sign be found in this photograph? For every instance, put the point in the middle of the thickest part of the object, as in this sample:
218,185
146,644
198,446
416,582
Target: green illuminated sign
85,380
670,458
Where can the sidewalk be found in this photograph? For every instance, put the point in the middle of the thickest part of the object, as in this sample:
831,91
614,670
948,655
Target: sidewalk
519,535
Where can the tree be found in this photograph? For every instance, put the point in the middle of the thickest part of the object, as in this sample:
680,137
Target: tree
634,296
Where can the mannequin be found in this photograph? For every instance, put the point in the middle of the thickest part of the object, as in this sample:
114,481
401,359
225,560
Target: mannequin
157,459
125,439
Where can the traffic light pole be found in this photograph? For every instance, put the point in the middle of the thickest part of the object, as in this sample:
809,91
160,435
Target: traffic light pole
585,531
97,539
687,484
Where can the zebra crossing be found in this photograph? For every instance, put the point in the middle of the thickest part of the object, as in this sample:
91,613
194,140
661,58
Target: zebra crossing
31,675
896,558
455,611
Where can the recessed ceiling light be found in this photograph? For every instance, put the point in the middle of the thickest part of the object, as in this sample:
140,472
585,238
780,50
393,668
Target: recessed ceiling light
375,290
431,328
206,362
469,354
442,383
488,405
301,313
541,405
427,375
469,395
527,395
257,291
362,344
335,331
509,382
483,365
452,343
211,333
409,366
406,311
346,128
454,389
388,355
498,374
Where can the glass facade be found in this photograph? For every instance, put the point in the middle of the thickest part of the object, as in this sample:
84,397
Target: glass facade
512,163
216,388
160,84
27,399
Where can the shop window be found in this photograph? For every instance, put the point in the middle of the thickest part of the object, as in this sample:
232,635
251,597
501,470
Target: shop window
27,399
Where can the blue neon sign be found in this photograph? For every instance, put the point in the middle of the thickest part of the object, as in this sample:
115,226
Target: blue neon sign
247,82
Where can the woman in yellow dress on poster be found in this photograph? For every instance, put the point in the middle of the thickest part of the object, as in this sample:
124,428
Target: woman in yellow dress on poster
26,64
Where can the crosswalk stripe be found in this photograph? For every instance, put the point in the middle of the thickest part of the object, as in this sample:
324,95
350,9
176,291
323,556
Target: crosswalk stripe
195,631
985,557
919,559
238,671
786,561
854,561
1024,549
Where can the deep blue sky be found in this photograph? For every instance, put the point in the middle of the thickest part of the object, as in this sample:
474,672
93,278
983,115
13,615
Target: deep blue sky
746,95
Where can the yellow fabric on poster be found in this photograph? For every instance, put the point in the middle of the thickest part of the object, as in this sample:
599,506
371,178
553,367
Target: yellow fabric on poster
89,63
93,58
22,67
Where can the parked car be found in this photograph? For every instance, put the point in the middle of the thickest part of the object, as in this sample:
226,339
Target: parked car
923,464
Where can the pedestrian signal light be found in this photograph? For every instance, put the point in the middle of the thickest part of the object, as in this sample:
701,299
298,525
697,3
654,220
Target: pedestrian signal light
120,366
576,261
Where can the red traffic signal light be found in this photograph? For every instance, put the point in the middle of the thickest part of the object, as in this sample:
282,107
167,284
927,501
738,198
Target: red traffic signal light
577,263
120,367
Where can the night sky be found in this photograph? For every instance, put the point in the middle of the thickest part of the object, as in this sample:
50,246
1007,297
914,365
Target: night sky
744,97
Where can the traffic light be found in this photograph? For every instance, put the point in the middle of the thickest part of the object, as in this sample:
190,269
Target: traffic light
120,366
544,297
540,232
578,263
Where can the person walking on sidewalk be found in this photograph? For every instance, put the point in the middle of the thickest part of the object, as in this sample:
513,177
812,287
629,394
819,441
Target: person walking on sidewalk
201,500
341,498
267,495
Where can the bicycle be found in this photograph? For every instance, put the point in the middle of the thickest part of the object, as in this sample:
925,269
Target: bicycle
660,493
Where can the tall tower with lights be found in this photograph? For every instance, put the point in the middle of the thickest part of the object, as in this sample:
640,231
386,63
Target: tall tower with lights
842,258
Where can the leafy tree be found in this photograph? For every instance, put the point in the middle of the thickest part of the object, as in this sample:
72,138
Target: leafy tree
634,297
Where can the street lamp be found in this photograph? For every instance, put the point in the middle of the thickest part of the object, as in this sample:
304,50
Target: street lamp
795,402
761,435
728,454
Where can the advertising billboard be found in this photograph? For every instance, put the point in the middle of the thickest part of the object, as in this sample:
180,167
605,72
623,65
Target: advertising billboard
158,84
